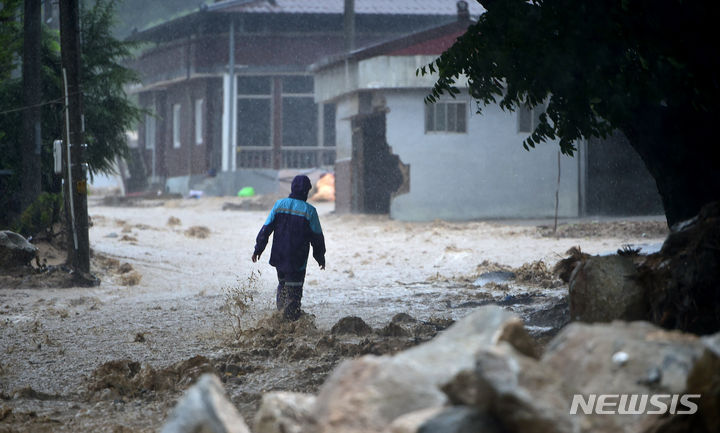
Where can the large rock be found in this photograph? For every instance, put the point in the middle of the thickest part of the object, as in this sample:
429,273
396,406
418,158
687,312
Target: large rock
704,380
204,408
283,412
15,250
368,393
518,391
627,358
454,349
603,289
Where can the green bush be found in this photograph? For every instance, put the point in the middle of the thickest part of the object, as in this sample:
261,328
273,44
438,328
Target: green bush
40,216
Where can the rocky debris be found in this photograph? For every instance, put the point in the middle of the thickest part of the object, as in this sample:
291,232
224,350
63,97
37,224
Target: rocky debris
283,412
477,376
603,289
636,358
368,393
126,378
523,394
200,232
351,325
452,350
173,221
15,250
205,408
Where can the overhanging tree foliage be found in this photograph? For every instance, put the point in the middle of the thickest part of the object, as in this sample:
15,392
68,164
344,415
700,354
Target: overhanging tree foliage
647,68
109,113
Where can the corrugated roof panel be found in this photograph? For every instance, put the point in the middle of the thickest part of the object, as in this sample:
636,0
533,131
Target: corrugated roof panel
389,7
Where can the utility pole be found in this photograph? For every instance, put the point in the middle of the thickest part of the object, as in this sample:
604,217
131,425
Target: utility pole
32,96
74,170
349,24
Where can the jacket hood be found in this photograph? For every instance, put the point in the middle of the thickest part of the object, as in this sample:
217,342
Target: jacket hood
300,187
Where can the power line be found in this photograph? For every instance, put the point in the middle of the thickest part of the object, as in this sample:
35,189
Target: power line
26,107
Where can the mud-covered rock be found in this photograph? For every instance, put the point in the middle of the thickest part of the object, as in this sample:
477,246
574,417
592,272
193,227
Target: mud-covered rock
623,358
351,325
15,250
395,330
283,412
205,408
603,289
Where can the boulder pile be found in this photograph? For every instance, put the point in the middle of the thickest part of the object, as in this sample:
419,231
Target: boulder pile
485,374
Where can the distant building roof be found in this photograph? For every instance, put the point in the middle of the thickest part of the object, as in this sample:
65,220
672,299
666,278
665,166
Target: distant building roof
431,41
382,7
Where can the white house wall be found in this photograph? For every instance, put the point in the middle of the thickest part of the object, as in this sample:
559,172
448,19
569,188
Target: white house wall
485,173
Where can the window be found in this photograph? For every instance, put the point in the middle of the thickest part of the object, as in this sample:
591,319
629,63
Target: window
176,125
251,85
446,117
299,122
254,111
199,121
253,122
529,119
299,112
149,132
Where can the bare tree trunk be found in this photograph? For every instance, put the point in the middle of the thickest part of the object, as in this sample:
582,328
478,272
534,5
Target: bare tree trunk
673,144
32,97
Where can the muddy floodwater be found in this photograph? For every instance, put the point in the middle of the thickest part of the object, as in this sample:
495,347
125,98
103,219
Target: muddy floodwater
180,296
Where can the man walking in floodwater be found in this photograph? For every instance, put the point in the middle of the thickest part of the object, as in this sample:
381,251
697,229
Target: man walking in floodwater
296,226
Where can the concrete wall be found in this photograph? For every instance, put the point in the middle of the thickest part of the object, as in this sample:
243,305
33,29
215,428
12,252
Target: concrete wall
484,173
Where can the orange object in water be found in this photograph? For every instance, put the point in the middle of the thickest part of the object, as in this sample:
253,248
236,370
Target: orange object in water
325,188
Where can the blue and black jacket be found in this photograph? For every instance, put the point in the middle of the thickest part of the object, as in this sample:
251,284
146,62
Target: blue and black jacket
296,226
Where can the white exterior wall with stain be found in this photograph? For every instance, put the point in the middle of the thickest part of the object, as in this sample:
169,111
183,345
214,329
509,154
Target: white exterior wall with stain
484,173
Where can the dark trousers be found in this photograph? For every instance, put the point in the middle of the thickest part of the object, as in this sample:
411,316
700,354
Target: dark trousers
289,293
